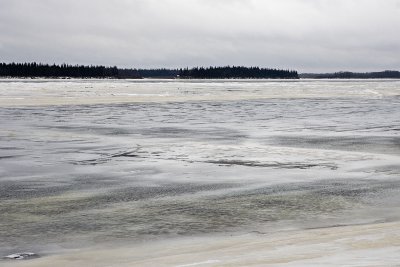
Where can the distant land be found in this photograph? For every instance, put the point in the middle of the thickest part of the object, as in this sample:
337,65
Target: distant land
387,74
38,70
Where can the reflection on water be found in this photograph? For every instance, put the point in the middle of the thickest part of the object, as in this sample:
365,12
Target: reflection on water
76,175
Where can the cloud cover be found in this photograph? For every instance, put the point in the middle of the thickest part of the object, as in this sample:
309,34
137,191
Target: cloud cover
307,35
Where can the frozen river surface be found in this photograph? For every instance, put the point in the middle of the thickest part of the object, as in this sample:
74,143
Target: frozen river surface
200,173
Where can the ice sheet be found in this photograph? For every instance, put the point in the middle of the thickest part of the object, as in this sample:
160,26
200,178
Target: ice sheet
116,168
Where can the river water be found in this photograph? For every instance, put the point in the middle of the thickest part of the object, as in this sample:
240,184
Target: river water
200,172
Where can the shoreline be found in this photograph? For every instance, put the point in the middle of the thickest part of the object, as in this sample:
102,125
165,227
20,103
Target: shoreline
376,244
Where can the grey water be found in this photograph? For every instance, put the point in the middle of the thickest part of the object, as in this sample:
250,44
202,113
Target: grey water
306,154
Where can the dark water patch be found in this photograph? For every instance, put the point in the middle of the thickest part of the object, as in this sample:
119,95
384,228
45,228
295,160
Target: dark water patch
290,202
275,165
388,169
352,188
12,148
60,216
137,213
90,129
92,162
377,144
31,189
106,157
206,133
64,205
9,157
203,133
125,155
26,190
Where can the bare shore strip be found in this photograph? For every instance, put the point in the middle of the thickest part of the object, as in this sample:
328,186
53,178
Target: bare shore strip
362,245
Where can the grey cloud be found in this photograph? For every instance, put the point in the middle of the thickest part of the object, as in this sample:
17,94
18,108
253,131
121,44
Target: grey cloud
308,35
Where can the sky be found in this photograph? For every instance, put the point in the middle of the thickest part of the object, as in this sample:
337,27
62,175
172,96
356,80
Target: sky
305,35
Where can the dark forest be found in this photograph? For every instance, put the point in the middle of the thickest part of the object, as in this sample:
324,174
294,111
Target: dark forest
237,72
387,74
37,70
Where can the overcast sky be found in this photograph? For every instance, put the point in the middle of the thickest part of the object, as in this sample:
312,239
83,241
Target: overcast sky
306,35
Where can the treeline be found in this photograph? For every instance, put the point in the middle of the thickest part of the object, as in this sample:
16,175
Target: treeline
36,70
387,74
237,72
32,70
159,73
